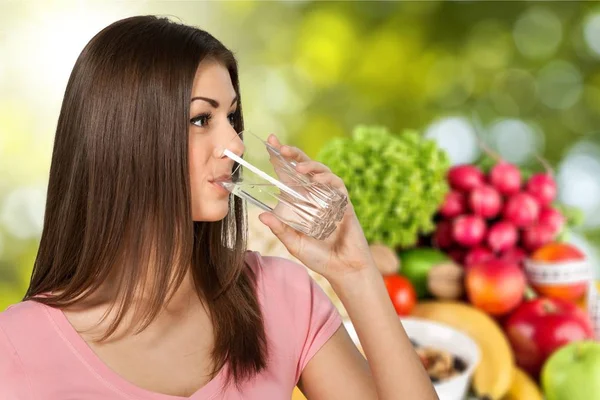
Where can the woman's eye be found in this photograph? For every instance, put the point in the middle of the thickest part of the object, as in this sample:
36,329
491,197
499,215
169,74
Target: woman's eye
201,120
231,118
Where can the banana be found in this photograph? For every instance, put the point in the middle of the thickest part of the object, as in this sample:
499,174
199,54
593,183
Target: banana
523,387
494,374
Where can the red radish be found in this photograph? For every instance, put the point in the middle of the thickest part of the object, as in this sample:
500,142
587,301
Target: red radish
465,177
443,235
506,178
552,218
536,236
514,255
542,187
502,236
454,204
485,201
478,255
521,209
468,230
457,254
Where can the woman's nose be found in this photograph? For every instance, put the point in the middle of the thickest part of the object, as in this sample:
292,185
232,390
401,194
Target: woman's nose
231,141
236,144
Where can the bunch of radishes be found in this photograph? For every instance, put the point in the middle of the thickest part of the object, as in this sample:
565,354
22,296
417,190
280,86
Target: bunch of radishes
498,215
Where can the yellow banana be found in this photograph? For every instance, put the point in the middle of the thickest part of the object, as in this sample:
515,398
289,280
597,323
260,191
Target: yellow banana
523,387
494,374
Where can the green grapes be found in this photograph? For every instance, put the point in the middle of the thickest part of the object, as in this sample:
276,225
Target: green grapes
396,182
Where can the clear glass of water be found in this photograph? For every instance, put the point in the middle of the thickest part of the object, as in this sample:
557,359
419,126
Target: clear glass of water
268,180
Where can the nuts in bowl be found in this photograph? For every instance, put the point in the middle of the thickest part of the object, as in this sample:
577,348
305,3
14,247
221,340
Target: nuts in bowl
439,364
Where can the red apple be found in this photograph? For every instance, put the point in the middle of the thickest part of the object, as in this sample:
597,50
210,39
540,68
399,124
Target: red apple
495,286
540,326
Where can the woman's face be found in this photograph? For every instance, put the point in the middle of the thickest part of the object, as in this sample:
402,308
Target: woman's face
213,103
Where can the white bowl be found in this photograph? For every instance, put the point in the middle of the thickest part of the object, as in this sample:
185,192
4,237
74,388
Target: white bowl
443,337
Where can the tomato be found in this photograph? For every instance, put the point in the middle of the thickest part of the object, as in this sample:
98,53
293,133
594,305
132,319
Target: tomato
402,293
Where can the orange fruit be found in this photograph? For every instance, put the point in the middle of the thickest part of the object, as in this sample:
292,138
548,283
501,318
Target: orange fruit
554,254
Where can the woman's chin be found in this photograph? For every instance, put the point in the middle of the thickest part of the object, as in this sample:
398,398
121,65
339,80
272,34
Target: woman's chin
216,213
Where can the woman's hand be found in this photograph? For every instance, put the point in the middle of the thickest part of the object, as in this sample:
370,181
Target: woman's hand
343,253
345,260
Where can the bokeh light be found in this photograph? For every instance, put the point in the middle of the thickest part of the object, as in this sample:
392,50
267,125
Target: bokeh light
450,81
578,180
560,84
515,140
47,45
591,33
323,38
489,46
537,33
457,137
22,213
514,92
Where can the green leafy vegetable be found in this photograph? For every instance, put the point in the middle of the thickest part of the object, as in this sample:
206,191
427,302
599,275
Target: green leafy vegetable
396,182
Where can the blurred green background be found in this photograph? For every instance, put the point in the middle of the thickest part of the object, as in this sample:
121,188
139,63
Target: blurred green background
311,71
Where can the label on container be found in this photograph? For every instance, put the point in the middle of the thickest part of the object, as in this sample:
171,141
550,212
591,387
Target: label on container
563,273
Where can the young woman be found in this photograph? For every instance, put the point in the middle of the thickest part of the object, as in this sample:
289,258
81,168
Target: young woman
143,288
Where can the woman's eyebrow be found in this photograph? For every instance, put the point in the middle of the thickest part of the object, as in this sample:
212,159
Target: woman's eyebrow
212,102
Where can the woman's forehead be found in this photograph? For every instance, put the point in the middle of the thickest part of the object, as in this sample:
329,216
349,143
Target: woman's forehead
212,80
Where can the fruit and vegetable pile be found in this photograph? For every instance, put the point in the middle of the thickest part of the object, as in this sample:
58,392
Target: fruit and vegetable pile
494,232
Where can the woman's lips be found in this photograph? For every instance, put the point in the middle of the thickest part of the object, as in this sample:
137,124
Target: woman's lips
222,178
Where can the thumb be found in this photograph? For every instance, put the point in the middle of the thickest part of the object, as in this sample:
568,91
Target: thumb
271,221
284,233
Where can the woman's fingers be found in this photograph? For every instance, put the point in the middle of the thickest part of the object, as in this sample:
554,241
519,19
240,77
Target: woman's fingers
294,153
290,152
307,167
274,141
331,179
288,236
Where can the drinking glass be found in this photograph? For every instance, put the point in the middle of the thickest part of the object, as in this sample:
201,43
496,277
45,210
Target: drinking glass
265,178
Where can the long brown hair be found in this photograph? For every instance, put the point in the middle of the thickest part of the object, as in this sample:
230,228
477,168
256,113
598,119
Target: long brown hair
119,190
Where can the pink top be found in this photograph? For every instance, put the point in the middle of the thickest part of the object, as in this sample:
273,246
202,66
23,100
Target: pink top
43,357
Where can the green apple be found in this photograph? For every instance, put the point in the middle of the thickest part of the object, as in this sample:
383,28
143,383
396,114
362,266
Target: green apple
573,372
